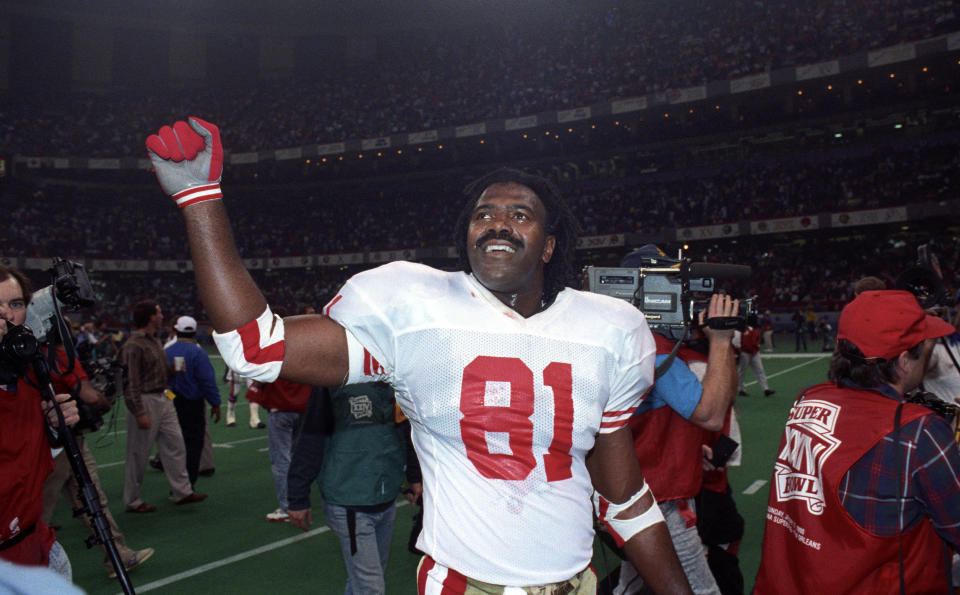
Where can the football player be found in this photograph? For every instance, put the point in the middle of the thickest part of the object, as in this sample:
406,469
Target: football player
517,388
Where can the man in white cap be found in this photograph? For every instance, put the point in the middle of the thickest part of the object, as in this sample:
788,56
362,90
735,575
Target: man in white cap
193,382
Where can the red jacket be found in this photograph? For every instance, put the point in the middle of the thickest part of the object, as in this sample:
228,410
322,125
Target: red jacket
25,462
281,395
668,446
810,543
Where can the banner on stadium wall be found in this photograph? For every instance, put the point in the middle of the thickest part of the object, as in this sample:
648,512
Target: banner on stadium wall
750,83
331,149
253,263
818,70
3,167
520,123
128,265
594,242
391,255
290,153
687,95
288,262
425,136
572,115
369,144
33,162
803,223
104,164
953,41
64,163
634,104
470,130
892,55
708,232
868,217
339,259
243,158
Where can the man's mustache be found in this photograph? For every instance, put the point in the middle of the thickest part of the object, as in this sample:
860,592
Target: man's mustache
503,234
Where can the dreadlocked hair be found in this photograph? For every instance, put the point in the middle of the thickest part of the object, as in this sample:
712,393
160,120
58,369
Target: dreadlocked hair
561,223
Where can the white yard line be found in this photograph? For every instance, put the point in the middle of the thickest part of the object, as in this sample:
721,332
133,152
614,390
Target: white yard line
221,445
754,487
811,360
235,558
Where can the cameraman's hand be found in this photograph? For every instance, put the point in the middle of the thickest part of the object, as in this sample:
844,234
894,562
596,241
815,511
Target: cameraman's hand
215,414
301,519
707,455
188,160
721,306
143,421
67,406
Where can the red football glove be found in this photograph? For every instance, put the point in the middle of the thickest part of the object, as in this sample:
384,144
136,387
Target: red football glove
188,160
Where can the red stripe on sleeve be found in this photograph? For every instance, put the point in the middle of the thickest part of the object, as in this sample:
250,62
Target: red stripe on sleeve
250,338
326,309
619,413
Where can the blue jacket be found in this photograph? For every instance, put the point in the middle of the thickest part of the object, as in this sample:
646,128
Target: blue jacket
197,381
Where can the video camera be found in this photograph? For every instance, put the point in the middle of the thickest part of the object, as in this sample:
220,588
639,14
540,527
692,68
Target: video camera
70,291
924,280
666,291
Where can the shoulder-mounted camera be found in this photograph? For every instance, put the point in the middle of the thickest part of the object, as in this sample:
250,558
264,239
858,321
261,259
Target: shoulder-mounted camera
670,292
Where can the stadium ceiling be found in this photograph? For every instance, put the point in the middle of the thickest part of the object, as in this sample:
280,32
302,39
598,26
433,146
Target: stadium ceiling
297,17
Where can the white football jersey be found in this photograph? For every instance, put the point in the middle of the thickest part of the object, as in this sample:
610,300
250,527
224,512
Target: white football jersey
503,410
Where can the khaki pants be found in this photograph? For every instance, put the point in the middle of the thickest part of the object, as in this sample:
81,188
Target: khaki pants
165,432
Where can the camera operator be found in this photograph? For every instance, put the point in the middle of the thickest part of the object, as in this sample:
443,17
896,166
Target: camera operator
863,477
693,395
63,481
25,459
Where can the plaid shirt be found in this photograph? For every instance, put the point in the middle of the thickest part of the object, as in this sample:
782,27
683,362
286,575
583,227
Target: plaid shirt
930,480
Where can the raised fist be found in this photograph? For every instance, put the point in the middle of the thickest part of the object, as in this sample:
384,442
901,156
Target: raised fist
188,160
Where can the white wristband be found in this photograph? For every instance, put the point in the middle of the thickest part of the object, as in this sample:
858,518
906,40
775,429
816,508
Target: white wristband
197,194
623,529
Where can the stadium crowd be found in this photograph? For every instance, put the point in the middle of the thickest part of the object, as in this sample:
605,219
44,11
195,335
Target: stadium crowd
450,77
391,215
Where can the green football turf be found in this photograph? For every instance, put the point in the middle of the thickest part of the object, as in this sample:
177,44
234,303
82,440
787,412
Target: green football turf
224,544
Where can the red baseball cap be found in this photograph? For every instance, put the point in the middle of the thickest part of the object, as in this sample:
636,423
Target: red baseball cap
885,323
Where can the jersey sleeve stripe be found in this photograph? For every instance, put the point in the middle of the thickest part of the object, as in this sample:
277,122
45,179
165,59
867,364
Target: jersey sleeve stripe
326,309
619,423
252,352
619,413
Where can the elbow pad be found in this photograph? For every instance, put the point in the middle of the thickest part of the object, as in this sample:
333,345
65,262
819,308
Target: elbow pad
255,350
623,529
